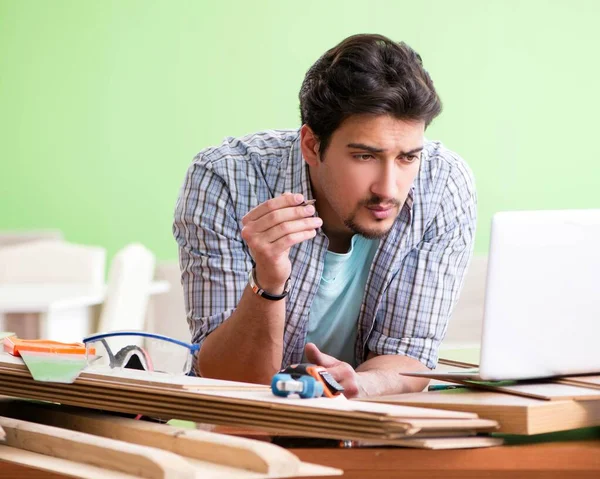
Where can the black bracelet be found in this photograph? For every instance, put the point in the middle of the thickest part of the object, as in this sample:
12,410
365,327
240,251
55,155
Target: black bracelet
261,292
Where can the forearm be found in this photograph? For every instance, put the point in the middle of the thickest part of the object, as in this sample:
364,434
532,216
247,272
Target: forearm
248,346
381,375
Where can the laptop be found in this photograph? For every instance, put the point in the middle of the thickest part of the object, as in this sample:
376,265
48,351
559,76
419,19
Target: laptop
542,297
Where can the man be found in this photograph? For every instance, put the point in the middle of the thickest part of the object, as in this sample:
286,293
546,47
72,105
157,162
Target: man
364,280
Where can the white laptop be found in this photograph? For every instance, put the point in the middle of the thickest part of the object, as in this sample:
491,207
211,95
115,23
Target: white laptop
542,297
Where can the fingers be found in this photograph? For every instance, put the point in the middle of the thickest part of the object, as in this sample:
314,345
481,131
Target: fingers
315,356
274,226
290,227
286,242
342,372
281,216
281,237
286,200
345,374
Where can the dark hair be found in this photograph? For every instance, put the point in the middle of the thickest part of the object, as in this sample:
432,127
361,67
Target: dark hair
366,74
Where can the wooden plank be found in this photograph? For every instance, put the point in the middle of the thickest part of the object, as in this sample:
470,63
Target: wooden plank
265,424
591,382
18,463
141,405
443,442
175,382
515,414
166,410
273,408
306,431
340,419
195,414
258,398
548,391
216,448
98,451
23,464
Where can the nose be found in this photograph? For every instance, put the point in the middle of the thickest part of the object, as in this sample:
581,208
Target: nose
386,183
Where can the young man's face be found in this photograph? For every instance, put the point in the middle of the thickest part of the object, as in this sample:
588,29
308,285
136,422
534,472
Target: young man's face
363,178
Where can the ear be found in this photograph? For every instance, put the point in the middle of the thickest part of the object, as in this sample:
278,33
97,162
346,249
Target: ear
309,145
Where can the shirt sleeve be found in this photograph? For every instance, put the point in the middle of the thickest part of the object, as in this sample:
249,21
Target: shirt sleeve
418,304
213,259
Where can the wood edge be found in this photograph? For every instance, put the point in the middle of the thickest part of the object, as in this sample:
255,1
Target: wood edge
56,466
84,448
211,447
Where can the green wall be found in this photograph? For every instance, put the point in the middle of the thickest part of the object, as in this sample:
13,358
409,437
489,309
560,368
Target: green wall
103,104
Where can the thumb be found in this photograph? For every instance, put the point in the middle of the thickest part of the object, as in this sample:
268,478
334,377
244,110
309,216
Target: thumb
313,355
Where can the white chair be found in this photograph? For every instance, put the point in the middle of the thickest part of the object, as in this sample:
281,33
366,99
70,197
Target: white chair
166,313
52,262
129,279
464,328
10,238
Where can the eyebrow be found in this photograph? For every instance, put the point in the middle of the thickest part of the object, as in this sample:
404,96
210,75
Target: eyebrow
373,149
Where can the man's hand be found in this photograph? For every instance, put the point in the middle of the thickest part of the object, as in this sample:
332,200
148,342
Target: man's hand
270,230
377,376
342,372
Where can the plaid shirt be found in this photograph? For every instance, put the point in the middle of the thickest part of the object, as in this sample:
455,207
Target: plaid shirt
415,277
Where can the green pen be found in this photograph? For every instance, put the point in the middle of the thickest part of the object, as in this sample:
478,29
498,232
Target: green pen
444,387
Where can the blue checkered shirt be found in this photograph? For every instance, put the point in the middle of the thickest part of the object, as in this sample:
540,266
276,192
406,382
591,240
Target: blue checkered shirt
415,277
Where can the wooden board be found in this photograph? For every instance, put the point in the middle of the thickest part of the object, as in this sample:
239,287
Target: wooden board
515,414
277,427
175,382
22,464
96,451
591,382
139,403
206,451
442,442
549,390
205,446
260,398
322,417
546,391
40,466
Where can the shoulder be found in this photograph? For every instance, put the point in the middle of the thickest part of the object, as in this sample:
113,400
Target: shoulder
442,168
445,186
239,170
268,145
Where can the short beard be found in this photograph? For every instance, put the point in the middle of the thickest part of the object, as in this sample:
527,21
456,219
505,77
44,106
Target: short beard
351,224
365,233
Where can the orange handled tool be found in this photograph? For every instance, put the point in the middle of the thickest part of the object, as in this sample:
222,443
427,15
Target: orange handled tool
14,346
331,387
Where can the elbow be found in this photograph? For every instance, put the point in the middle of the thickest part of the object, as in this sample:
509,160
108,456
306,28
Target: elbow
230,367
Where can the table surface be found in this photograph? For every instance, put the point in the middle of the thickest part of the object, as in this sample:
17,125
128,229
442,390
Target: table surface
559,460
552,460
39,298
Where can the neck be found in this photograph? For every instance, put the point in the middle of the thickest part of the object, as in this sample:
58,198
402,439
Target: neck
338,242
338,234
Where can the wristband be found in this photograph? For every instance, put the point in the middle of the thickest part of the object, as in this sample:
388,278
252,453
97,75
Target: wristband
261,292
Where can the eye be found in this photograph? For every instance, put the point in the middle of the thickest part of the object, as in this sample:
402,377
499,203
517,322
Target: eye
410,158
363,157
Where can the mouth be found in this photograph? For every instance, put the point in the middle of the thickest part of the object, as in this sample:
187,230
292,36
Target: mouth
381,212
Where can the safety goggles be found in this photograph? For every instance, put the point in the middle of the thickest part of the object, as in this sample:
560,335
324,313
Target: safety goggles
138,350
